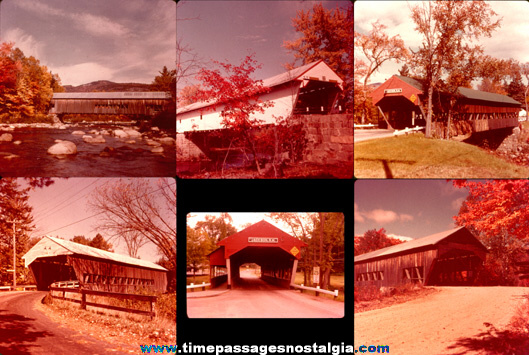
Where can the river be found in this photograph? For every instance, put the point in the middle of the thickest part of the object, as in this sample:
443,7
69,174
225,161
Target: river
127,159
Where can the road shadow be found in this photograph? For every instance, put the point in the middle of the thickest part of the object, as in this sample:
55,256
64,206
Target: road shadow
16,334
385,164
493,341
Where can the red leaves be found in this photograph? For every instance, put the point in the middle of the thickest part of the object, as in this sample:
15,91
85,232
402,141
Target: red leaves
236,91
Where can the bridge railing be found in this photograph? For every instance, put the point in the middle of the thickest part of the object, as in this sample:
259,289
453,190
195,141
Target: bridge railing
316,289
192,286
23,287
150,299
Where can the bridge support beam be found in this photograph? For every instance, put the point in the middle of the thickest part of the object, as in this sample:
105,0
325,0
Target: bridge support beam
294,269
228,266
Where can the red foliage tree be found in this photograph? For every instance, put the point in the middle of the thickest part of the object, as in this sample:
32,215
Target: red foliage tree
497,212
239,95
373,240
8,68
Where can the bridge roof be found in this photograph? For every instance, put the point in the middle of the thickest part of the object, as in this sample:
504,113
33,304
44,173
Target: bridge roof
261,234
50,246
122,95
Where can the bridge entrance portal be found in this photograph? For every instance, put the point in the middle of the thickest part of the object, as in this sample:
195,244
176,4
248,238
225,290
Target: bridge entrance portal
274,251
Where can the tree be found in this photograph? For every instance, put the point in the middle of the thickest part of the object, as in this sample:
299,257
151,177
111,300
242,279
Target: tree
166,81
525,72
198,246
446,27
238,94
137,206
373,240
97,242
328,233
217,228
496,211
378,48
327,35
188,95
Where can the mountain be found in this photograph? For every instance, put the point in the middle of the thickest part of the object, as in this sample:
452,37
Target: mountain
108,86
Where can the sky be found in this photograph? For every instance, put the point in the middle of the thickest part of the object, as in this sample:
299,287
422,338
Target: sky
89,40
61,210
239,219
228,31
506,42
410,208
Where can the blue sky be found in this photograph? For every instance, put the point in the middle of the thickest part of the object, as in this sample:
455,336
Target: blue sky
410,208
89,40
227,31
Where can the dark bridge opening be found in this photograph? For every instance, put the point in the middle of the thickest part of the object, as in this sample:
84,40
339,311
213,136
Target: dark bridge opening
275,264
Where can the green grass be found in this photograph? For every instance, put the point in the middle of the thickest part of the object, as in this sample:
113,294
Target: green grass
415,156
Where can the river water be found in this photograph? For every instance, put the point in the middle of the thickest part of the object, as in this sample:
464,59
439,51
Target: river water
125,159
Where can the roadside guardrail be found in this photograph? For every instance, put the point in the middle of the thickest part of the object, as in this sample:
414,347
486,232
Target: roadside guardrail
192,286
317,289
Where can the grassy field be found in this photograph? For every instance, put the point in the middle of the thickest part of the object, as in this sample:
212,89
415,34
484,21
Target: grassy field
337,282
415,156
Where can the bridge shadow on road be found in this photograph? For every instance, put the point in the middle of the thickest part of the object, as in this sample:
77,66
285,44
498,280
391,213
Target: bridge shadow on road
16,334
254,284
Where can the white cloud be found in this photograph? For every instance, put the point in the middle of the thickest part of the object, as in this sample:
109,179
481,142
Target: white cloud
27,43
456,204
99,25
381,216
83,73
358,215
400,237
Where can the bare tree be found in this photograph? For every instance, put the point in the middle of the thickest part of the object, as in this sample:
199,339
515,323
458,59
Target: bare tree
135,209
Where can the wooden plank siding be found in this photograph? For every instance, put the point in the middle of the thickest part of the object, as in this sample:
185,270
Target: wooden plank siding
107,106
108,276
447,258
393,269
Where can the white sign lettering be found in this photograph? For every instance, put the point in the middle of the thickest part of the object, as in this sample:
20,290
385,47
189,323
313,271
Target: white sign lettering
392,91
262,240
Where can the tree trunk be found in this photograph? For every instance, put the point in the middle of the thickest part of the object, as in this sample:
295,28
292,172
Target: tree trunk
428,130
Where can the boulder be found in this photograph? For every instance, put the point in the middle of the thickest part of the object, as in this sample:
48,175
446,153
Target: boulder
17,142
157,150
78,133
6,137
63,148
132,133
152,142
132,141
96,139
156,129
120,133
167,140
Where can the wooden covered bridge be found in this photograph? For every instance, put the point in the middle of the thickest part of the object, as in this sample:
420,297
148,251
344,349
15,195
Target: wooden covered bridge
53,259
134,103
400,101
447,258
275,251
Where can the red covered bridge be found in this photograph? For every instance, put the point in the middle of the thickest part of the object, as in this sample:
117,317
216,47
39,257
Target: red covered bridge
401,99
276,252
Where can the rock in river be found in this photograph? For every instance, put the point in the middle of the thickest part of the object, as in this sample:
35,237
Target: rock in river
64,147
6,137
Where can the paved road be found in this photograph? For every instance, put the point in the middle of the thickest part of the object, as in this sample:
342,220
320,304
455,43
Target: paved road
448,322
25,330
254,298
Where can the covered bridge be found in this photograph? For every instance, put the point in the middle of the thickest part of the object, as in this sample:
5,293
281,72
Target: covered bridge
110,103
447,258
53,259
275,251
401,101
310,89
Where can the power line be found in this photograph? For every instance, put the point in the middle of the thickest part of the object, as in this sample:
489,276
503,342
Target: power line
97,214
56,209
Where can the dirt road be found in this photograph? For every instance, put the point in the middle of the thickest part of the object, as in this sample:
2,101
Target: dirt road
25,330
254,298
448,322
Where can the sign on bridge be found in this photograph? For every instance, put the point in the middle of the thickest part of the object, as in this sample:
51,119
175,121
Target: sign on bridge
262,240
